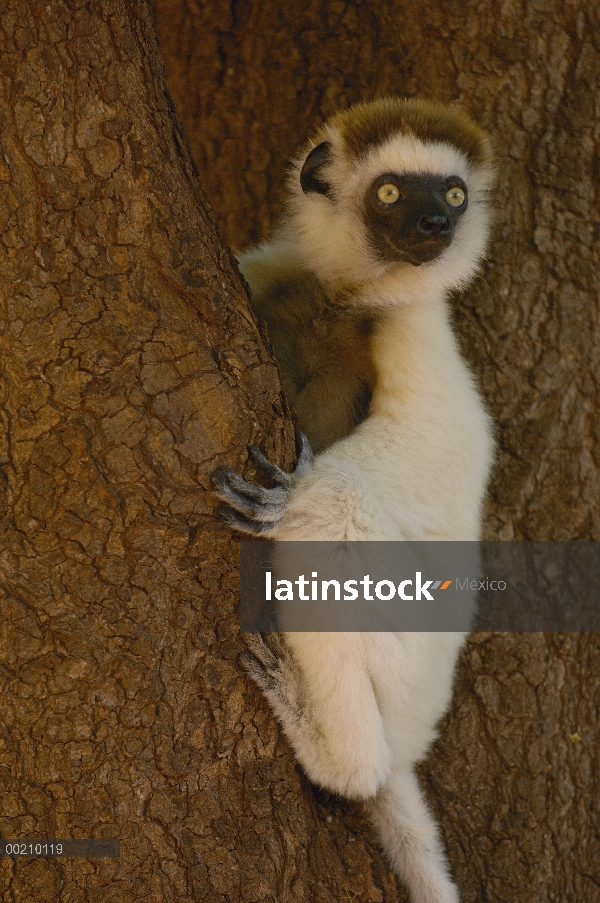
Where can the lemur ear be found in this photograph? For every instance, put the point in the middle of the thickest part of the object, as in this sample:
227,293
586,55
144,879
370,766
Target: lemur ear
310,178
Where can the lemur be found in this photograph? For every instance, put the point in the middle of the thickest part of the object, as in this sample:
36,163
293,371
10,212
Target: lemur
388,214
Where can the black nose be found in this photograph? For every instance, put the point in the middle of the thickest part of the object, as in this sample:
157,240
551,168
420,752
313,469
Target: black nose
437,224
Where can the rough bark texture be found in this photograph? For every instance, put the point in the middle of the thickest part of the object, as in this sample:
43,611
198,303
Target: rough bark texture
130,367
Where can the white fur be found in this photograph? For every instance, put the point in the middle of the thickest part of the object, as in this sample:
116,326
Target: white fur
415,469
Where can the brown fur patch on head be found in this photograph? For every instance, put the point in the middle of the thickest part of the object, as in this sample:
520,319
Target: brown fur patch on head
368,124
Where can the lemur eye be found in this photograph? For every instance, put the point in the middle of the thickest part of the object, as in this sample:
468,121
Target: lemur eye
388,193
455,196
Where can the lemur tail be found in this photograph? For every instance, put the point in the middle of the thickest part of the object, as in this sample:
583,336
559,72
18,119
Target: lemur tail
410,839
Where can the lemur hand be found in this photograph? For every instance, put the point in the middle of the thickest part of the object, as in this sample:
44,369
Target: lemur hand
255,509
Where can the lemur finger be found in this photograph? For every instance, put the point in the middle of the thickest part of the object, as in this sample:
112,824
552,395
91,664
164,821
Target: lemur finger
242,524
258,672
261,512
225,479
266,510
305,455
279,476
276,686
266,647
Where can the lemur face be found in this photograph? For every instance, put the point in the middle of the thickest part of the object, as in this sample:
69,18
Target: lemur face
394,189
411,217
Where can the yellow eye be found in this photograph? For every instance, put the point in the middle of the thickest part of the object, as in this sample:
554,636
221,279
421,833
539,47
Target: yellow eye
388,193
455,197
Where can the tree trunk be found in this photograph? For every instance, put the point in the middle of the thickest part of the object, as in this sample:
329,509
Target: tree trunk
131,367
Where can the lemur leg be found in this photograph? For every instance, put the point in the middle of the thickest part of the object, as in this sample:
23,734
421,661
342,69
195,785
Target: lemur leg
410,838
326,707
255,509
318,684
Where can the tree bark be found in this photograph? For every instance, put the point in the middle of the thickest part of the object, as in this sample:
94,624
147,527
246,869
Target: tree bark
131,367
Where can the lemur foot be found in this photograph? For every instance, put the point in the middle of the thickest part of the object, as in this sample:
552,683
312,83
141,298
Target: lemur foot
255,509
269,663
331,753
